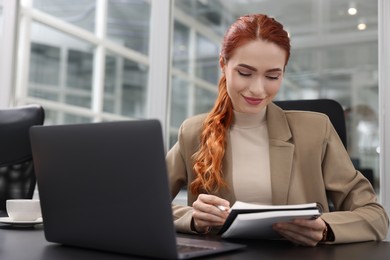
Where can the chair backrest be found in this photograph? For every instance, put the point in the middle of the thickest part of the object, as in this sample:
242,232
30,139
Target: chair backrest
17,178
330,107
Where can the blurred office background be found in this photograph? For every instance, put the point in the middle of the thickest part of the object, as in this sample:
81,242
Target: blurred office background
103,60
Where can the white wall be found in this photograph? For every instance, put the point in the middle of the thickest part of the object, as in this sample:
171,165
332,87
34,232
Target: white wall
384,105
7,43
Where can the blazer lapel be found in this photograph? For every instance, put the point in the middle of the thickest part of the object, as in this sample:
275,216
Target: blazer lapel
281,153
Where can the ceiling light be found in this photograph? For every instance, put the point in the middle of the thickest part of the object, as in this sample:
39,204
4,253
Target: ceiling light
352,9
362,26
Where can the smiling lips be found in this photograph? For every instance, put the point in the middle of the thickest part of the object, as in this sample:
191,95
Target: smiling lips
253,101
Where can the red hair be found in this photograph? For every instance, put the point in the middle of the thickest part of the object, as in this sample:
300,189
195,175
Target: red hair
207,163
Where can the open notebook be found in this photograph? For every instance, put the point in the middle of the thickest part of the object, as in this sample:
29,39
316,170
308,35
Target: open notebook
104,186
248,220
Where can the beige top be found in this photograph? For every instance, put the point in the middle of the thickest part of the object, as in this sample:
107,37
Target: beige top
250,158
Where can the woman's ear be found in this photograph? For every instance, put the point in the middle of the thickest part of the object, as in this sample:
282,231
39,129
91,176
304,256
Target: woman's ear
222,64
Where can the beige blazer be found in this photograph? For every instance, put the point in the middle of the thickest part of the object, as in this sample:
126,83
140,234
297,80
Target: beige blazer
308,164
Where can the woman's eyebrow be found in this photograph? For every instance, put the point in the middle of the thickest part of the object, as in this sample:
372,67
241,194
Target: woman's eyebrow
254,69
247,66
275,70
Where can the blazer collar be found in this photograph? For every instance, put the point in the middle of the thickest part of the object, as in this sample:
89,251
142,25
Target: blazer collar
278,127
281,153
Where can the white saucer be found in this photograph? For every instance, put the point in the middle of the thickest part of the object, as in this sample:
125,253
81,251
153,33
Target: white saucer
7,220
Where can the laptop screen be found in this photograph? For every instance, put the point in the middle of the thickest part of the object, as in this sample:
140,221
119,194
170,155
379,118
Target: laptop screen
104,186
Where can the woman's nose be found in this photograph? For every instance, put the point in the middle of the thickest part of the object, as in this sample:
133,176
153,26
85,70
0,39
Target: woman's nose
257,88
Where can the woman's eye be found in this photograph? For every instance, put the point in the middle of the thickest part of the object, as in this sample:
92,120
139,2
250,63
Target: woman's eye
273,77
244,74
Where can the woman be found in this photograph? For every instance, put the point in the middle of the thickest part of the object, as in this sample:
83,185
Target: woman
249,149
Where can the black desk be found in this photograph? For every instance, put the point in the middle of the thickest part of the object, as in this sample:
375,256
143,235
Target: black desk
30,244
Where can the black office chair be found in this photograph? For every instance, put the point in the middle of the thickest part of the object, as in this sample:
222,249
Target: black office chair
17,177
330,107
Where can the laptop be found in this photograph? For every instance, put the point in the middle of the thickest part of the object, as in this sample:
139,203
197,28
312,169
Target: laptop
104,186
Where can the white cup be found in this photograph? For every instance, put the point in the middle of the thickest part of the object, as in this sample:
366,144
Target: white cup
23,209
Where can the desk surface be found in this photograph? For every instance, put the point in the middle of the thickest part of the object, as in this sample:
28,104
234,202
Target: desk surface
30,243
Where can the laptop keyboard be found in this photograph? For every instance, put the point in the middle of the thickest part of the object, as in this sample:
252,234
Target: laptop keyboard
183,248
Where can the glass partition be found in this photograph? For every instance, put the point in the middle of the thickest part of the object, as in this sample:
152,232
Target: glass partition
206,65
80,13
125,87
128,24
60,67
180,47
95,70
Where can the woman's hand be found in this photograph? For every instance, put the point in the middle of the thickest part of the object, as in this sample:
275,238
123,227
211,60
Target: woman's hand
206,213
302,231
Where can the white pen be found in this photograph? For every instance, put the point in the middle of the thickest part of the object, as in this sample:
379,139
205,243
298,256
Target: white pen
222,208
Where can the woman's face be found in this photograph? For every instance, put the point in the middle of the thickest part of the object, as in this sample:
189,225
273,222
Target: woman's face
254,75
